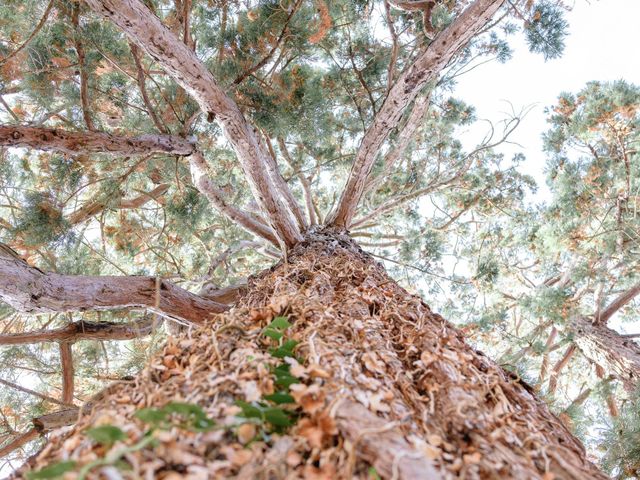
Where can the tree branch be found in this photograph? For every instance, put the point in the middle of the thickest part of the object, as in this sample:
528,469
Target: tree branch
19,441
26,390
306,186
145,29
617,304
94,208
247,221
30,290
83,330
73,143
425,68
68,372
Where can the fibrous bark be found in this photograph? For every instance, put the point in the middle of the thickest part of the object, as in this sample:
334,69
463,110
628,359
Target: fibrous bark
426,68
72,143
181,63
30,290
617,355
384,383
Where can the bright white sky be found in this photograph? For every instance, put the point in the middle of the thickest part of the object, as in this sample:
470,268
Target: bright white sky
602,45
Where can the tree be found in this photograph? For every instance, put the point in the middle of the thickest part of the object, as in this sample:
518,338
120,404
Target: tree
561,279
324,366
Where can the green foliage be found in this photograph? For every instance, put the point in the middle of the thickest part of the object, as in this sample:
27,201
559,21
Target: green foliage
106,435
546,29
187,416
622,442
53,471
41,220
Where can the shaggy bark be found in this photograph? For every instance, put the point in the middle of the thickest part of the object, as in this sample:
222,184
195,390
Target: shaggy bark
617,355
426,68
74,143
383,382
30,290
181,63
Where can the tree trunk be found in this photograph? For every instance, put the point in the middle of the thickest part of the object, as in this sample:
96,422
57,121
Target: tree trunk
384,383
617,355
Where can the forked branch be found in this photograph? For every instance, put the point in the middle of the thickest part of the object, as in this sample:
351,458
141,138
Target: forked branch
426,68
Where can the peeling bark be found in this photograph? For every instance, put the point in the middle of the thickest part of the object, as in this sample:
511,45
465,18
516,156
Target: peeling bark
74,143
426,68
30,290
146,30
68,372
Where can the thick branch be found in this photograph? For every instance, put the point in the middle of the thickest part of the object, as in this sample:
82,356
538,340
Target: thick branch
426,68
83,330
217,198
617,304
402,142
145,29
30,290
74,143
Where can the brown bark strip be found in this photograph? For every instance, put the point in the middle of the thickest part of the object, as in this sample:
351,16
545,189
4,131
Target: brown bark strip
68,372
30,290
619,302
545,356
559,366
19,441
74,143
83,330
92,209
610,400
617,355
145,29
217,198
426,68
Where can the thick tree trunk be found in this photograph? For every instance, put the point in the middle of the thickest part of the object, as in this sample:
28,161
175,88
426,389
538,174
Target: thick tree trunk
618,356
382,382
72,143
30,290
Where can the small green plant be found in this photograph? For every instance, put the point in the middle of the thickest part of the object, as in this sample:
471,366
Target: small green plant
53,471
187,416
